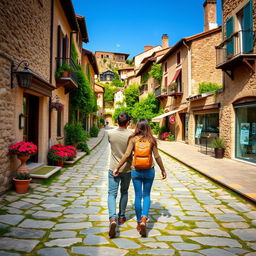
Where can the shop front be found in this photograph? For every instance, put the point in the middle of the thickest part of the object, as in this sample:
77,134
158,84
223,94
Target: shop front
207,128
245,135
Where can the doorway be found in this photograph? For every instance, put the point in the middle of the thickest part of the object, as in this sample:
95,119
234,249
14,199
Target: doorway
183,124
31,113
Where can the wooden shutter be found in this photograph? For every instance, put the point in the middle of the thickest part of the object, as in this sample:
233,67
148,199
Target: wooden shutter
248,28
229,32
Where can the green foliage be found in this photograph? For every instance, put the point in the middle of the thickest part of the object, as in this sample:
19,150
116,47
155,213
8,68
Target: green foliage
117,81
144,78
205,87
22,176
218,143
75,133
156,72
162,130
171,137
84,147
119,111
74,53
62,68
83,98
130,62
147,108
94,131
105,60
109,93
131,94
155,127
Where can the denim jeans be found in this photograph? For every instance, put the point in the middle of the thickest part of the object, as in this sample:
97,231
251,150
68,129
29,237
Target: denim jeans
113,184
142,182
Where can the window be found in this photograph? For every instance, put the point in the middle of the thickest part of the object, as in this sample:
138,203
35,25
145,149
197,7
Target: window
179,82
178,58
166,81
246,132
165,67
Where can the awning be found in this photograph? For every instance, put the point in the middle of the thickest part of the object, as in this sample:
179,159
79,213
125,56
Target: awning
176,75
158,118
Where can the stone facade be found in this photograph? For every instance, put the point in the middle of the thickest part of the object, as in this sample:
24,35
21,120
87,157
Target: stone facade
20,43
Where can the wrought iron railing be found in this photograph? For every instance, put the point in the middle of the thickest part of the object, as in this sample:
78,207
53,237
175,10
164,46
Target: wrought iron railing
236,44
68,61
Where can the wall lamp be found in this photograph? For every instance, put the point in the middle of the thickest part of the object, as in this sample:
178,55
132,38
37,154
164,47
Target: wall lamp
24,76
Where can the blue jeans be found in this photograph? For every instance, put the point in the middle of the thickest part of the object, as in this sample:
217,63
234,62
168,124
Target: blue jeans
142,182
113,184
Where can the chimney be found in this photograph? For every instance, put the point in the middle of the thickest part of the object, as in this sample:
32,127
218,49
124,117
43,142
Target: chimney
165,41
147,47
210,15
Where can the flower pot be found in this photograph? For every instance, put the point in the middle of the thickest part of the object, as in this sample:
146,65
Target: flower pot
23,167
21,186
65,74
219,152
59,163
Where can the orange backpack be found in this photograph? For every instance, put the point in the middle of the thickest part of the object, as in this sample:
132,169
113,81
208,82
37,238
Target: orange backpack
142,158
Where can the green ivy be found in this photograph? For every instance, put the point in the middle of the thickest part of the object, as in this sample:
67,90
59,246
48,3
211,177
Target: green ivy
144,78
109,93
156,72
74,53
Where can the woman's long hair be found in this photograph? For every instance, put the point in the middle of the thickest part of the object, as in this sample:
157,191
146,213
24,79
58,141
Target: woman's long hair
143,129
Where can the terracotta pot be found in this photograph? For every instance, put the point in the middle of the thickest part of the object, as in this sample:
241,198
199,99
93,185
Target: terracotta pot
21,186
219,152
23,167
65,74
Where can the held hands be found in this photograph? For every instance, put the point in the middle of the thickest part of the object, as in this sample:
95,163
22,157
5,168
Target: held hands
164,175
115,172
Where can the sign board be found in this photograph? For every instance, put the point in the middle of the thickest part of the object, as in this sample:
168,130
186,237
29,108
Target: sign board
244,133
172,119
199,131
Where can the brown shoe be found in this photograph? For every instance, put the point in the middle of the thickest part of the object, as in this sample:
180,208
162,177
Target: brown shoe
112,228
143,226
121,220
138,226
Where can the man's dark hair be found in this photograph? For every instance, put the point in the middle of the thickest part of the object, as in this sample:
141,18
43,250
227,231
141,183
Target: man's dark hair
123,119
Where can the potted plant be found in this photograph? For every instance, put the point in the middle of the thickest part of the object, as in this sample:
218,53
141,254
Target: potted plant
23,150
21,182
63,71
171,137
219,146
57,155
165,135
174,86
57,106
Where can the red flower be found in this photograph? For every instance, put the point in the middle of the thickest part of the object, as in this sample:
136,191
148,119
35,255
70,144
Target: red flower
23,148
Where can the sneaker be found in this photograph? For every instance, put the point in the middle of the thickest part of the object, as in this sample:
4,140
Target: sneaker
121,220
112,228
143,226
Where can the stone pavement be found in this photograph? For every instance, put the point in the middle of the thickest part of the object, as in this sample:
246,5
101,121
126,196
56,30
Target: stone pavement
236,175
189,215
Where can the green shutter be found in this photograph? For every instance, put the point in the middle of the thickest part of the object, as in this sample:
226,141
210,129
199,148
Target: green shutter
229,32
248,28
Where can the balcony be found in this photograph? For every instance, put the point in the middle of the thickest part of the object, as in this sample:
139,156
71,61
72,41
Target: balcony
174,92
143,89
160,92
65,74
235,50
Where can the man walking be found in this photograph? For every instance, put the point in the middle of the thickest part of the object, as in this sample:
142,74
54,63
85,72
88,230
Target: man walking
118,140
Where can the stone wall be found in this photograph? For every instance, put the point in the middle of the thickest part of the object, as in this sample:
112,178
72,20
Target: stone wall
25,35
204,61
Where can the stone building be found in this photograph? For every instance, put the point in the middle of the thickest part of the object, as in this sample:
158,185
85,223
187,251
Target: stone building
29,62
236,56
188,63
24,108
107,61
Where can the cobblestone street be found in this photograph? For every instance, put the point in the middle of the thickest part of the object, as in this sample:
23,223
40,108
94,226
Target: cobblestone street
189,216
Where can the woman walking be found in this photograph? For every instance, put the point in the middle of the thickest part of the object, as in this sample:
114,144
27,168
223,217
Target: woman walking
142,144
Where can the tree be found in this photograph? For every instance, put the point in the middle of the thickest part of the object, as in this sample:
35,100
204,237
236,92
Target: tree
147,108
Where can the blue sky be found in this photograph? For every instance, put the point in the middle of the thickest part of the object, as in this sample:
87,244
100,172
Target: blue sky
127,25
